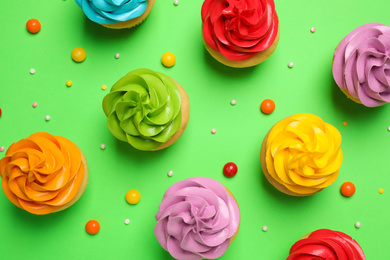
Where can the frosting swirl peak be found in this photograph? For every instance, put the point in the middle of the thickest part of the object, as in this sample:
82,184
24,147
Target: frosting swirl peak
361,65
196,219
112,11
239,29
325,244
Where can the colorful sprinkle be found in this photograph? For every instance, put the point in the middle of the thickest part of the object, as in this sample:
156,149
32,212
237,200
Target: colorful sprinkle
230,169
168,59
357,224
104,87
176,2
348,189
290,64
47,118
127,221
69,83
92,227
1,148
79,54
345,123
170,173
213,131
233,102
133,197
35,104
380,191
313,29
33,26
264,228
267,106
117,55
102,146
32,71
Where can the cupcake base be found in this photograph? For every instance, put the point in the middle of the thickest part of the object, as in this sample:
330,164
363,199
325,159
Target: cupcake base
135,21
255,60
238,228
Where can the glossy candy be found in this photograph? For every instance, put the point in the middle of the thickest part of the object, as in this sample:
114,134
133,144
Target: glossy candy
133,197
267,106
69,83
92,227
79,54
230,169
348,189
33,26
168,59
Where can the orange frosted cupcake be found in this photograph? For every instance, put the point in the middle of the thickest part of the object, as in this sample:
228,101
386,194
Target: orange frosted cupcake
43,173
301,155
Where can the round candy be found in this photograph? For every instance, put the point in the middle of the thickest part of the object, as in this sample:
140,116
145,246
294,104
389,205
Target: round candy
92,227
230,169
267,106
2,148
168,59
79,54
69,83
347,189
47,118
380,191
133,197
290,64
33,26
35,104
104,87
0,112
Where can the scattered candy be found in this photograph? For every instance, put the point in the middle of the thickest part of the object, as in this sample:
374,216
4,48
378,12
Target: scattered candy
102,146
1,148
79,54
176,2
313,29
168,59
291,64
69,83
47,118
117,55
380,191
345,123
357,224
127,221
33,26
133,197
170,173
92,227
104,87
35,104
347,189
267,106
264,228
213,131
0,111
32,71
230,169
233,102
388,128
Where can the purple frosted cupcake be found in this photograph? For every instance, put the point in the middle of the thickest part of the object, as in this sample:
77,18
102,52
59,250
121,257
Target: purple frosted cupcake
198,218
361,65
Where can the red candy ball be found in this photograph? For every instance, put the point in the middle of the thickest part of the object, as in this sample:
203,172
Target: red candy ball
33,25
92,227
230,169
348,189
267,106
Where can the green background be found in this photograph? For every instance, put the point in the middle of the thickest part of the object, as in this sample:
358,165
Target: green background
76,114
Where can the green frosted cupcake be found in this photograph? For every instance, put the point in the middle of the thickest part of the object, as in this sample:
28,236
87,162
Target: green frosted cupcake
147,109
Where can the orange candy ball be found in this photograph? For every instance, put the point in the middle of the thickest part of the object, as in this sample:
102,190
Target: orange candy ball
33,26
79,54
267,106
92,227
348,189
133,197
168,59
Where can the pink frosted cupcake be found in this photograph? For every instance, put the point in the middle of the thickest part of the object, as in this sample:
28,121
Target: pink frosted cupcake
361,65
198,218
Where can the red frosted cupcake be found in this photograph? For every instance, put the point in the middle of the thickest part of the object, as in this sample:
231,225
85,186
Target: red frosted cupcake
240,33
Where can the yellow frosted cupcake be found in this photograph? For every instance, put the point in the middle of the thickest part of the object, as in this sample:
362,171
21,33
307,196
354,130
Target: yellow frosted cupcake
301,155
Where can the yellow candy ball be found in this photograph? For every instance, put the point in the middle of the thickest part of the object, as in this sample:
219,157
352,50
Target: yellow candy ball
104,87
133,197
79,54
68,83
168,59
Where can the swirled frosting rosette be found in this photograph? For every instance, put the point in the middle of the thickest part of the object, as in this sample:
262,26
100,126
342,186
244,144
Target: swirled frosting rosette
43,173
361,65
326,244
144,109
239,29
110,12
197,219
301,154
